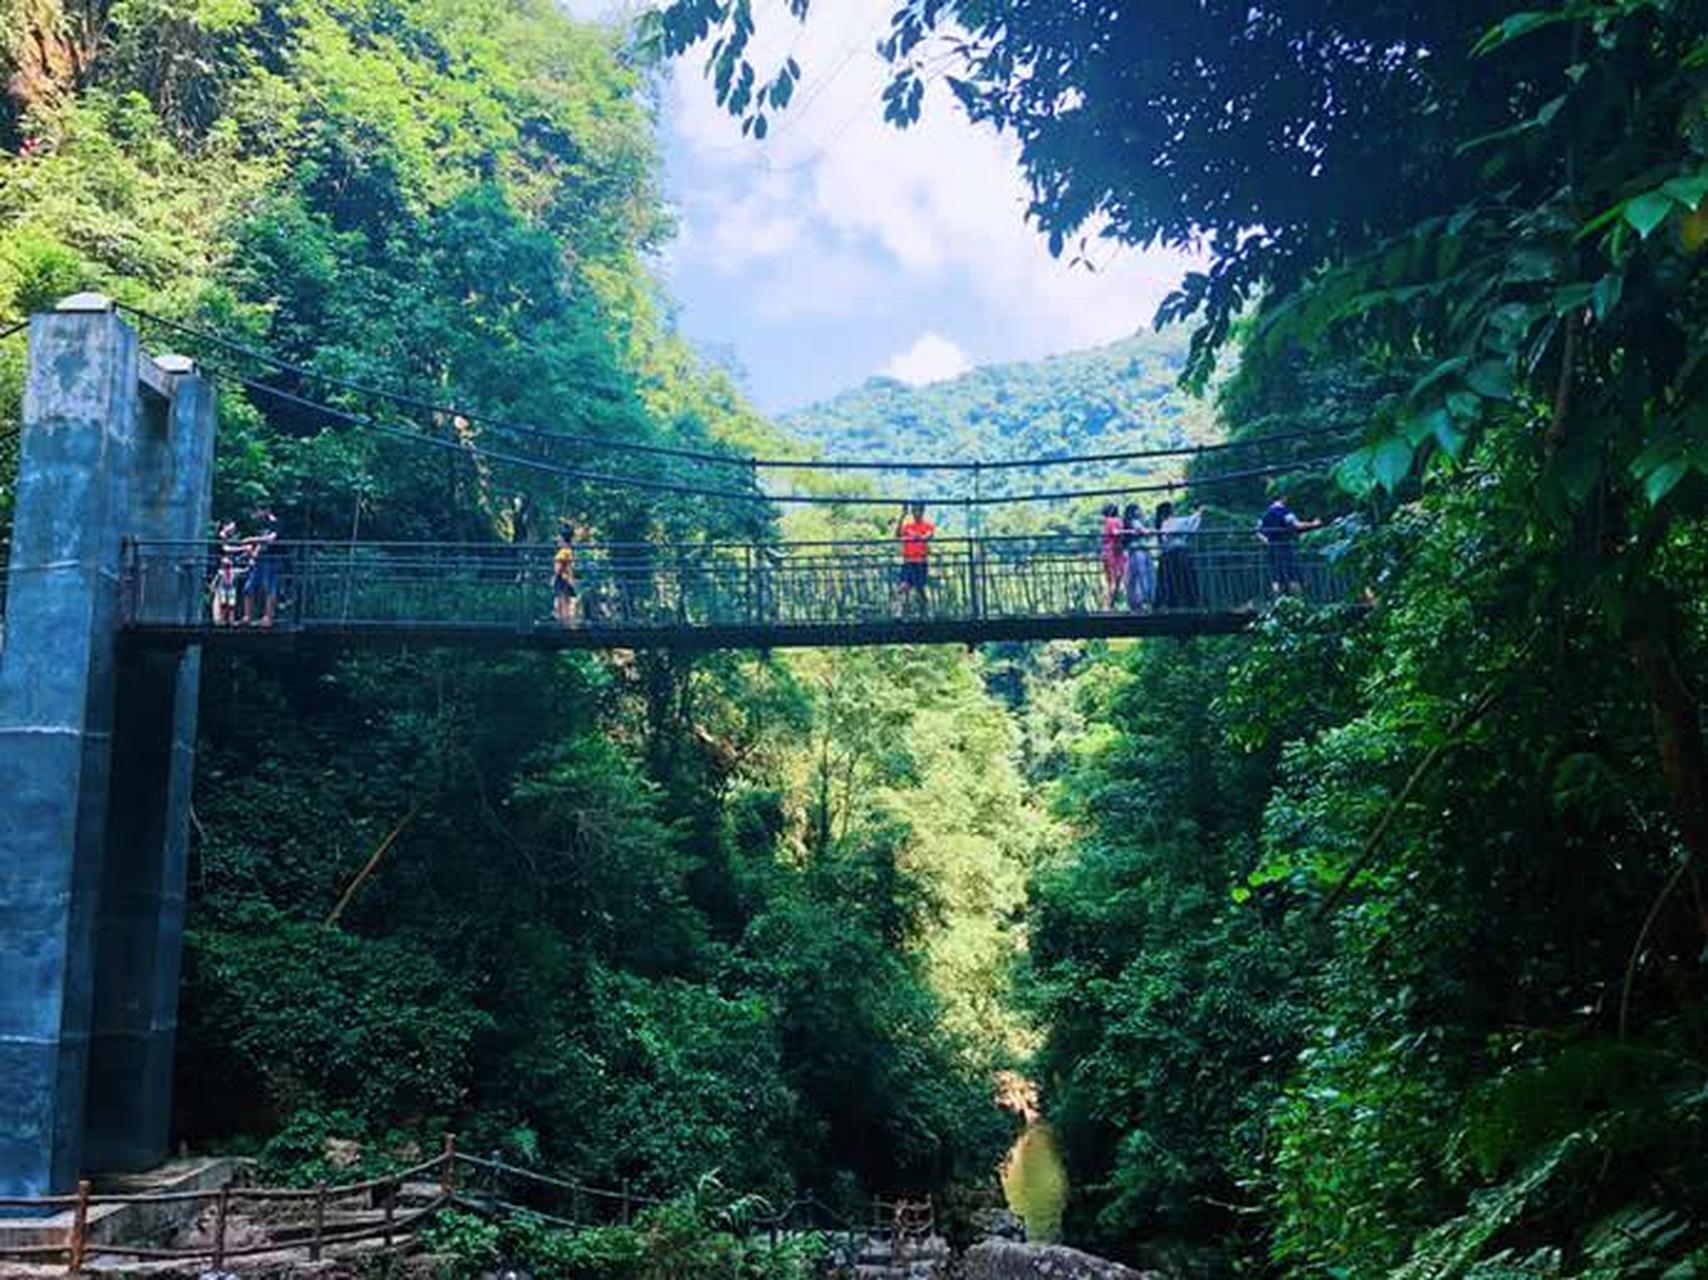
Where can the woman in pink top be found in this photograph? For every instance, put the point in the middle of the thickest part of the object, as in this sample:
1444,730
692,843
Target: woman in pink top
1114,555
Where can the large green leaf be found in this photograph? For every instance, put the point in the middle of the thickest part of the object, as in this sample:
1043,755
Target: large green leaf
1608,290
1392,462
1356,472
1448,434
1513,26
1664,478
1646,212
1689,192
1492,380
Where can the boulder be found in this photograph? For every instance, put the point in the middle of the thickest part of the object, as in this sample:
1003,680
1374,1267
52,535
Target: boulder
1005,1260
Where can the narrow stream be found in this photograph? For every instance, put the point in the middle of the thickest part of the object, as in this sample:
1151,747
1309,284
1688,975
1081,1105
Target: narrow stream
1035,1182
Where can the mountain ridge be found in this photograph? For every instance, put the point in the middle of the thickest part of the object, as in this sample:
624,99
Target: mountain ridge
1124,395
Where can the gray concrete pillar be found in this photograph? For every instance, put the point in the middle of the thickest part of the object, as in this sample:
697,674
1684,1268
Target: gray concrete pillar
95,754
140,933
57,673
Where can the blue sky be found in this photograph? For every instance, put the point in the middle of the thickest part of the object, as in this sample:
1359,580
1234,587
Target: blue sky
840,248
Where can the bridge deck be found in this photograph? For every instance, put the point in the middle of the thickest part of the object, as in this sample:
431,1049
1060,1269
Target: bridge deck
762,596
543,635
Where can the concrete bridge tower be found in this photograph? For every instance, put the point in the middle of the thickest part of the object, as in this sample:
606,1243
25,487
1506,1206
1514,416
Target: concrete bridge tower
96,750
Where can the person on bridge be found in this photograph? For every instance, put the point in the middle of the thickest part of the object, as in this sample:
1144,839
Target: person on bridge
262,581
566,600
223,592
915,532
227,582
1114,555
1279,528
1136,539
521,519
1177,580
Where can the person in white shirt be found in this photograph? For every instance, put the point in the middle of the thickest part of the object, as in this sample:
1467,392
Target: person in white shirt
1177,582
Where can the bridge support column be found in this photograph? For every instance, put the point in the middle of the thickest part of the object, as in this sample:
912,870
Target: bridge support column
140,933
97,462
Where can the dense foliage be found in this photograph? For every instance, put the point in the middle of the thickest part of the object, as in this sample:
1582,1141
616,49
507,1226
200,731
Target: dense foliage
1371,943
593,913
1382,952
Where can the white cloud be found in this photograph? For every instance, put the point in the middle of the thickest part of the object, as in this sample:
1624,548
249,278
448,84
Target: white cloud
932,358
942,204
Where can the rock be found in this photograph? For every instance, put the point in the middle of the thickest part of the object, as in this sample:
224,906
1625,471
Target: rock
1004,1260
341,1153
998,1224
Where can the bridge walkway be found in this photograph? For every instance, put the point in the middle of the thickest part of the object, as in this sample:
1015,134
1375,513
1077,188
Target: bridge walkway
715,596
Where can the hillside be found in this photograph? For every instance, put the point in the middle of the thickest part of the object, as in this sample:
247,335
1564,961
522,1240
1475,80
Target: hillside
1119,397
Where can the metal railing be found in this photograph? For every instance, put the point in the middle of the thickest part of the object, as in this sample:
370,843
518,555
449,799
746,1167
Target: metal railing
646,587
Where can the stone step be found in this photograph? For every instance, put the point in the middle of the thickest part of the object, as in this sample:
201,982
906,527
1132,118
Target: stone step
110,1223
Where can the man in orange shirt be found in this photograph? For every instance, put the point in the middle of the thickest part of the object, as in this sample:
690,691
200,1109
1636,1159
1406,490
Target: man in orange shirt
915,532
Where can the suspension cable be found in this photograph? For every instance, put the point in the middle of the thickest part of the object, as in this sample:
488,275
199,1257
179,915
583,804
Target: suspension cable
510,427
750,495
428,406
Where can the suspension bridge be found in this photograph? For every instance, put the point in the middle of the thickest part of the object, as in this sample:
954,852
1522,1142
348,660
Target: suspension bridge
758,596
107,616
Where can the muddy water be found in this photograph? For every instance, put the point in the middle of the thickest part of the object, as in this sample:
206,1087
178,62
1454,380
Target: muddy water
1035,1182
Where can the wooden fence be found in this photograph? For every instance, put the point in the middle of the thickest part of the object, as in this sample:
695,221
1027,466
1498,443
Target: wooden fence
313,1220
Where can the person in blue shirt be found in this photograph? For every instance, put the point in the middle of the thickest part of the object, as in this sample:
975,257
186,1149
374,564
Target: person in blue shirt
261,583
1279,528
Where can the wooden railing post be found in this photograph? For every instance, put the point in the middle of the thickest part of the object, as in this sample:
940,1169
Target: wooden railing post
448,1167
391,1191
222,1207
319,1222
625,1202
79,1241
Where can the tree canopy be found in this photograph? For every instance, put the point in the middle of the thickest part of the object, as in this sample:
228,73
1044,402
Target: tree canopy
1368,943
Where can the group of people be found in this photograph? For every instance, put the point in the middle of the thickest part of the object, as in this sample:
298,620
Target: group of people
248,573
1149,566
1166,581
1171,582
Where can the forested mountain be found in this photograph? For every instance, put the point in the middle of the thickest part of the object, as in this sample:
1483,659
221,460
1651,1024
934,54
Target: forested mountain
1120,397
